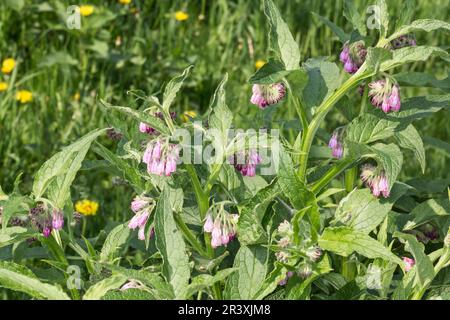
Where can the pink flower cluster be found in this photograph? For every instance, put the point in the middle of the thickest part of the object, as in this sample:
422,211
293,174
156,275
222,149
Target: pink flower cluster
142,207
377,183
409,263
266,95
161,157
353,56
145,128
337,149
222,228
385,95
40,218
246,161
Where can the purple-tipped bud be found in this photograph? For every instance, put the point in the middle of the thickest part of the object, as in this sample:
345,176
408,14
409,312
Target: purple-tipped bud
209,224
409,263
394,98
314,253
349,67
383,186
138,204
47,231
338,151
57,220
333,141
344,54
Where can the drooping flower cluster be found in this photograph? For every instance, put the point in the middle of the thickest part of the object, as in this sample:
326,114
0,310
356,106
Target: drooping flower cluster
161,157
426,233
265,95
246,161
142,208
375,180
44,222
145,128
336,146
285,233
385,95
353,56
222,228
409,263
406,40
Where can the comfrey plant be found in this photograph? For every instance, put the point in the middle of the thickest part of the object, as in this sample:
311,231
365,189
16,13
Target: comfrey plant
281,213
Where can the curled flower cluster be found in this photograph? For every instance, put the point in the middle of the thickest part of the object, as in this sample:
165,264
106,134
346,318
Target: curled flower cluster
44,222
246,161
267,95
406,40
145,128
142,208
113,134
377,182
353,56
426,233
314,253
285,232
385,95
409,263
222,228
161,157
289,275
336,146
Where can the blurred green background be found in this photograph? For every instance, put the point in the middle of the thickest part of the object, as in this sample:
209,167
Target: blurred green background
141,45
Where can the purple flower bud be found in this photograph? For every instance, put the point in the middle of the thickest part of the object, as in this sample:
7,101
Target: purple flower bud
338,151
209,224
385,105
349,67
145,128
344,54
138,204
409,263
57,220
333,141
383,186
47,231
394,98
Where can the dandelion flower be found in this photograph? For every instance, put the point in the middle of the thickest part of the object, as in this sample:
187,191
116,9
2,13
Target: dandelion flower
190,114
8,65
125,1
181,16
87,207
259,64
86,10
76,97
24,96
3,86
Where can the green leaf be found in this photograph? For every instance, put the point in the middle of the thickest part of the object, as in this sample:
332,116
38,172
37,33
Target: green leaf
410,139
170,244
251,214
272,72
368,128
98,290
352,15
115,241
412,54
421,79
420,107
173,87
441,146
406,13
221,117
324,78
129,294
375,56
152,121
60,170
19,278
16,5
366,212
343,37
344,241
12,206
384,17
14,234
421,25
281,39
130,173
390,158
424,266
160,289
58,58
204,281
433,209
251,265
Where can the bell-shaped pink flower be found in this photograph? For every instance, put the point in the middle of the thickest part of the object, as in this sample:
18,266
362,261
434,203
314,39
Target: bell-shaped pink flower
209,224
409,263
267,95
57,220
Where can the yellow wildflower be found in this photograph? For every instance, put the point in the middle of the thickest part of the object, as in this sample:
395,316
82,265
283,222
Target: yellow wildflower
125,1
188,115
8,65
181,16
24,96
76,97
259,64
3,86
87,207
86,10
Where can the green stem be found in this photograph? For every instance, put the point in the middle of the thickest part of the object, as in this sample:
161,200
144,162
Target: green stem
350,179
202,198
322,111
190,237
330,175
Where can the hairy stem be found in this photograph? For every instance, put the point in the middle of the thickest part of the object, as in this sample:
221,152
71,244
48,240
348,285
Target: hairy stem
190,237
330,175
